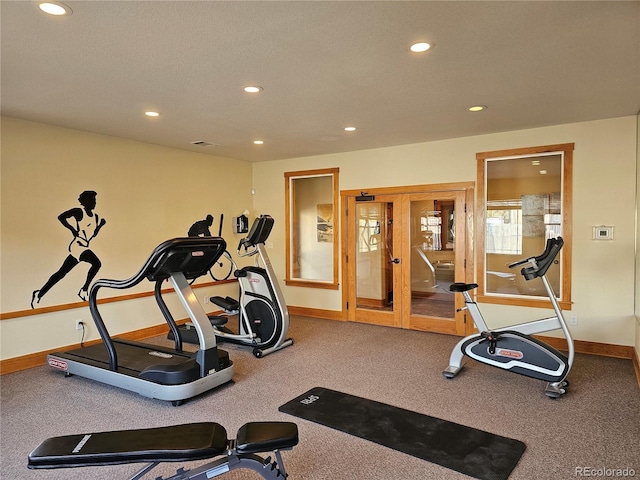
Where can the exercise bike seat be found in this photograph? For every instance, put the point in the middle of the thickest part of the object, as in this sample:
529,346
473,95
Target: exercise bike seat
193,441
462,287
254,437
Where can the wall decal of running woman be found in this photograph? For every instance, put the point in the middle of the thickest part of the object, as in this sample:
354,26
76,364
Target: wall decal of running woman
84,224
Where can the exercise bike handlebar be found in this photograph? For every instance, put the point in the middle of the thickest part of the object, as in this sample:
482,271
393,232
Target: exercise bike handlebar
521,262
541,263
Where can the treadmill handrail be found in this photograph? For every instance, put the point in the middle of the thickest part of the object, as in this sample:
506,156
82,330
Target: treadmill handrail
159,267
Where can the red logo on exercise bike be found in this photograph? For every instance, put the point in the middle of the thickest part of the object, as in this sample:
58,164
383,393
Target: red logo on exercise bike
503,352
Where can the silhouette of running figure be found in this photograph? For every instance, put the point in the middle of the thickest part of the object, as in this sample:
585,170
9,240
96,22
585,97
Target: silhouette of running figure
201,227
84,224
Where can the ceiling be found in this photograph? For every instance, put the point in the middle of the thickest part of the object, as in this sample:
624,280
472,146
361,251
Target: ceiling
323,65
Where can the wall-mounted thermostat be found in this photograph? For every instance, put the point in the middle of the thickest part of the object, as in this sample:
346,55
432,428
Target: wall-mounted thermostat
603,232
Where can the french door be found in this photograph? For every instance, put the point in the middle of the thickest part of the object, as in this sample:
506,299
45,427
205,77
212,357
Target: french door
403,250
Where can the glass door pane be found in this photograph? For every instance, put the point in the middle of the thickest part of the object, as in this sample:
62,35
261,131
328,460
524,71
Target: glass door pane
376,270
374,276
435,243
433,257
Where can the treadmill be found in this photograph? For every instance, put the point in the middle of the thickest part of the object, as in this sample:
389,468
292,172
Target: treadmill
153,371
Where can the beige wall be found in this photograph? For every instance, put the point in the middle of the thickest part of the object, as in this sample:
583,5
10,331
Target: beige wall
146,193
604,193
149,193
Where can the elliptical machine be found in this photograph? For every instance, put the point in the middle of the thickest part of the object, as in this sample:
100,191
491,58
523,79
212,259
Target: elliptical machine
513,348
263,318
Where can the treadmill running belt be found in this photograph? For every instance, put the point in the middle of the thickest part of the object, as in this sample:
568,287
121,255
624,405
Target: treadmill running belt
130,356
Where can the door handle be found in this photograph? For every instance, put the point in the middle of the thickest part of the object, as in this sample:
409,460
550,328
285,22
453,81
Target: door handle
395,260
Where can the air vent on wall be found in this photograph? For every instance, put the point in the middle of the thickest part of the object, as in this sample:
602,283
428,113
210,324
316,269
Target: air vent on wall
202,143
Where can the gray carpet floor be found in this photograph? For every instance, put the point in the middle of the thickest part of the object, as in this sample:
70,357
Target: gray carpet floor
596,425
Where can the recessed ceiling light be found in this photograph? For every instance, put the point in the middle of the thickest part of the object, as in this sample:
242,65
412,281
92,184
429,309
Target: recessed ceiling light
535,162
420,47
477,108
349,129
253,89
152,114
258,142
55,8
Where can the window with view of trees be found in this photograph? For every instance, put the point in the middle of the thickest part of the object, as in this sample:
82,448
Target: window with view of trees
504,227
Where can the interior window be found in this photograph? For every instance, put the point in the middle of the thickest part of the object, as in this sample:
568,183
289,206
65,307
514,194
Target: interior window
311,230
525,199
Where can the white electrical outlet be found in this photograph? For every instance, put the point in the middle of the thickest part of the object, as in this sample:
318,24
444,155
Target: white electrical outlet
573,320
206,299
79,324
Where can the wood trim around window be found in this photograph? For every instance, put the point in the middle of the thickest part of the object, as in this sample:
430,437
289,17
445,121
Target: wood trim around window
567,222
300,282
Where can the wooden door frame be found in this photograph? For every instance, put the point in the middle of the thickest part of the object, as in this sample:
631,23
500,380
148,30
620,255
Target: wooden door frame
348,284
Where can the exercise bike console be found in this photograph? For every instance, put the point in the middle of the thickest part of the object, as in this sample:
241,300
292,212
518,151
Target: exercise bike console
541,263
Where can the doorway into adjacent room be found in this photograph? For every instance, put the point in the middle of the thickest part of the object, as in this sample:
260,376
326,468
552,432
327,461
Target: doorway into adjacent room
402,248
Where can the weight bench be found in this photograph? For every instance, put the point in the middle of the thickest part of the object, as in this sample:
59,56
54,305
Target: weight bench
177,443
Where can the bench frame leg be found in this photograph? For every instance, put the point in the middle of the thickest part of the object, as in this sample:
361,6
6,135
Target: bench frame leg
233,461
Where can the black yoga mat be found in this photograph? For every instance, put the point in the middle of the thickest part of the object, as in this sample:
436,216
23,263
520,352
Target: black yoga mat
476,453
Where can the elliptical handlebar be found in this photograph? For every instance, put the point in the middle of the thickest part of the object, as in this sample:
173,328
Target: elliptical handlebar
247,246
258,234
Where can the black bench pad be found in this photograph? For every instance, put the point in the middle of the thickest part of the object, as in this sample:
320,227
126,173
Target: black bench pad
193,441
254,437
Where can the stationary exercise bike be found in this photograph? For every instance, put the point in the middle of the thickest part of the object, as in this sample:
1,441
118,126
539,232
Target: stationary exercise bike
513,348
263,318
